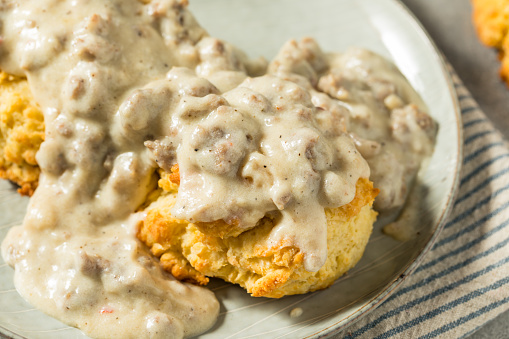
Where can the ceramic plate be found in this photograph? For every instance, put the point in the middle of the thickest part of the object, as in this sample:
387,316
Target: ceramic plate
260,28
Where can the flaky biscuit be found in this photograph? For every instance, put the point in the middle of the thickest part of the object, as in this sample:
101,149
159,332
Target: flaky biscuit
192,253
21,133
491,19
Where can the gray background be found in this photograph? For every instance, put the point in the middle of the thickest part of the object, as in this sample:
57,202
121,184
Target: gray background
449,24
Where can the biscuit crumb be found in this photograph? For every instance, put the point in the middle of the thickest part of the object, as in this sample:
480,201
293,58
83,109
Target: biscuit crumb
296,312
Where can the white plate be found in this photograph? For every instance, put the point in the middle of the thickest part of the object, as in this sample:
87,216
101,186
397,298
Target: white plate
260,28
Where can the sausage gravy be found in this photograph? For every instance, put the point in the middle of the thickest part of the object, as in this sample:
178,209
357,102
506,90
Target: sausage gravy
130,86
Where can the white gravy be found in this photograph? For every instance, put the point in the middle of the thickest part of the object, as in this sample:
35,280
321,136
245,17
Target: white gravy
127,86
233,152
384,115
76,256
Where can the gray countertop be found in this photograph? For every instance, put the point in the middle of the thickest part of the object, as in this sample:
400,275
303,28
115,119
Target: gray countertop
449,24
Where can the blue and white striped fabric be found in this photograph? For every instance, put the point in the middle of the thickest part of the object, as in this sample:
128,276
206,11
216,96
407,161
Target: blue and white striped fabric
463,282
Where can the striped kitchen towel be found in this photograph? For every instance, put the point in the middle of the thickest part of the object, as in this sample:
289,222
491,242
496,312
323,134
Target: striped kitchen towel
463,282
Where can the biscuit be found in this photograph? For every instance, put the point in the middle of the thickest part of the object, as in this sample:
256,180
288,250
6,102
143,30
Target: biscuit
21,133
192,253
491,19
